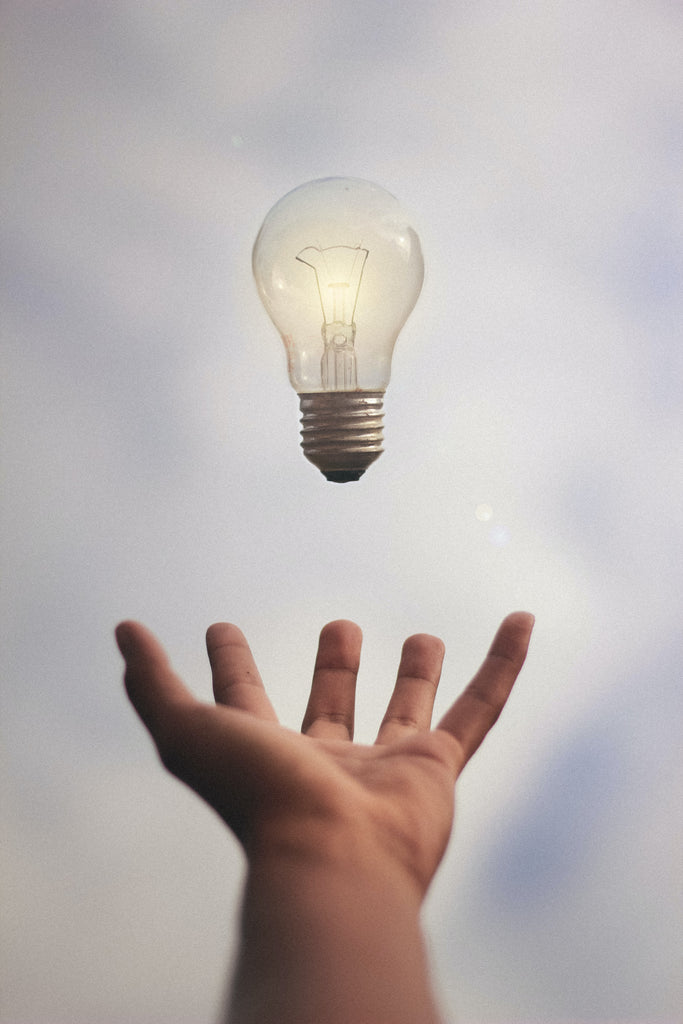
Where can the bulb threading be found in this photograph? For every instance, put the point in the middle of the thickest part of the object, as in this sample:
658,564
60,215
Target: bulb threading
342,431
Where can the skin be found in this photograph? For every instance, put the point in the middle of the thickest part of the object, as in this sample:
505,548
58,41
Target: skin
342,840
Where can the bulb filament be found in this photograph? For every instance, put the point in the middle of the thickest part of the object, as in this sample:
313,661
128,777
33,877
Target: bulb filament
338,272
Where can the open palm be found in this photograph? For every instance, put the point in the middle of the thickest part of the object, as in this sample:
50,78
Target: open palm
278,789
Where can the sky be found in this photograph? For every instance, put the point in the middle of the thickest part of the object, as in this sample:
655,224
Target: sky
533,459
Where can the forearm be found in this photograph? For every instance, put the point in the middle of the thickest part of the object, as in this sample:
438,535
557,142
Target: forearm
330,944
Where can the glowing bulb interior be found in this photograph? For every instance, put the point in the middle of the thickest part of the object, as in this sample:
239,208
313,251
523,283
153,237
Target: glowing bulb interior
339,269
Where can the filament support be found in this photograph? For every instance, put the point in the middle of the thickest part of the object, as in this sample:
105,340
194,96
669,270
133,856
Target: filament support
342,431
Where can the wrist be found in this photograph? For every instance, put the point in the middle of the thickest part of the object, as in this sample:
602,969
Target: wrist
333,933
341,846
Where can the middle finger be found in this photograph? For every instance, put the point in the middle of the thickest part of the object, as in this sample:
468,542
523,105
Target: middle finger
330,710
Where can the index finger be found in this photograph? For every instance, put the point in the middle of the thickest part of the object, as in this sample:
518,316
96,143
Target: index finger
478,707
237,682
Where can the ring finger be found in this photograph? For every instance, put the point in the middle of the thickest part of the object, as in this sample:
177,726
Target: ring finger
412,702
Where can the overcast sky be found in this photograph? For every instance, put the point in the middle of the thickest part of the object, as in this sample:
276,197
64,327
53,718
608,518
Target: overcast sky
534,459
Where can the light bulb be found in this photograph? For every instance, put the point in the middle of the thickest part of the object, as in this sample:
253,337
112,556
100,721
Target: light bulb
339,269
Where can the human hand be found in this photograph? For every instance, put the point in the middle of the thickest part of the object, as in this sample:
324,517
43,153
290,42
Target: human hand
317,794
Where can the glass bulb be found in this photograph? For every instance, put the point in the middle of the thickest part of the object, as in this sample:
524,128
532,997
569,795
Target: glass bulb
339,269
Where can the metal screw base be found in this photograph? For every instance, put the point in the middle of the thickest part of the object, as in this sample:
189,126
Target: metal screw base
342,431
